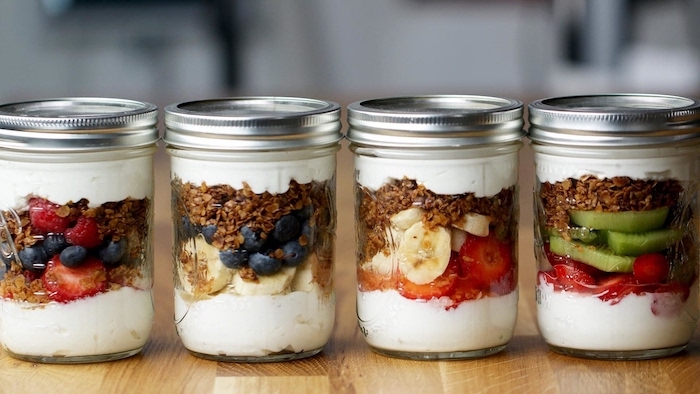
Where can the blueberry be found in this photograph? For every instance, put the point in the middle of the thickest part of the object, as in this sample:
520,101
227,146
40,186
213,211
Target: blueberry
33,258
252,242
208,233
234,258
294,253
286,228
112,252
264,264
304,213
189,229
73,256
53,244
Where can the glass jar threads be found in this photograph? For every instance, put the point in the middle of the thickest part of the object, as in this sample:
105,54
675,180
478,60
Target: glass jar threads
76,228
616,232
436,223
253,206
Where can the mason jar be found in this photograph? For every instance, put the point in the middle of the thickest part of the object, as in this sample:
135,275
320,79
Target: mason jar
76,228
253,208
436,185
616,232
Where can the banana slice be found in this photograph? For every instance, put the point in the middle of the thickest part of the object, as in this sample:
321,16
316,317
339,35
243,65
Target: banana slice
476,224
407,218
279,283
202,272
458,238
380,264
424,254
304,277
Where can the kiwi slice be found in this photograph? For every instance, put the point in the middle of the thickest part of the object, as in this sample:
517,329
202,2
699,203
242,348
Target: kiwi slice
642,243
581,234
625,222
598,256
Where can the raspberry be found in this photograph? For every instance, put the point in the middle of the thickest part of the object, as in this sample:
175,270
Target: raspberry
47,217
85,233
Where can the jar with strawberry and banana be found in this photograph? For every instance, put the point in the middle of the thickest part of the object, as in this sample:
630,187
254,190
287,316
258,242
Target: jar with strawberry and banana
76,228
616,232
436,184
253,206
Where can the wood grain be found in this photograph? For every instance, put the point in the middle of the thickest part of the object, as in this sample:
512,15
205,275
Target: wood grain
346,365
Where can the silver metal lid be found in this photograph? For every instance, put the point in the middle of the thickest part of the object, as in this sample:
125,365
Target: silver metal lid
614,120
252,123
77,124
435,121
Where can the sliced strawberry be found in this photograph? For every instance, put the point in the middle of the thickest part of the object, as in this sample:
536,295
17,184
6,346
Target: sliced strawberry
47,217
573,277
85,233
441,286
486,261
651,268
555,259
616,286
66,284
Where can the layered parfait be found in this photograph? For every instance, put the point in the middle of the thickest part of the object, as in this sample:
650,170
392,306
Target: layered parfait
618,260
76,261
253,260
437,256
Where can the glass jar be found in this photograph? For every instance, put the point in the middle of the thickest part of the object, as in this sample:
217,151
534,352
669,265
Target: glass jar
76,228
253,207
436,183
616,232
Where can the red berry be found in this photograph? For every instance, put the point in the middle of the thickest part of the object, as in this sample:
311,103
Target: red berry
66,284
443,285
650,268
573,277
487,263
47,217
85,233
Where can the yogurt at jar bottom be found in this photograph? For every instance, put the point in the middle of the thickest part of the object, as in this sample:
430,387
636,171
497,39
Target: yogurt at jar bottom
119,317
644,321
113,322
229,311
391,321
453,312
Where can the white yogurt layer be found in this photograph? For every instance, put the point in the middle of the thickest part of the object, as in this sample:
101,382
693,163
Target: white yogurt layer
585,322
112,322
255,325
636,164
392,322
97,181
271,176
483,176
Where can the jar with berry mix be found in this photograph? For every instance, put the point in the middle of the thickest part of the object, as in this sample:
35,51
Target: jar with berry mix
436,183
616,232
253,207
76,208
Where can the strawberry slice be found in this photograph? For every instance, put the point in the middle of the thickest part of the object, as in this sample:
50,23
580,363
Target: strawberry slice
85,233
441,286
651,268
487,262
615,287
555,259
66,284
572,276
47,217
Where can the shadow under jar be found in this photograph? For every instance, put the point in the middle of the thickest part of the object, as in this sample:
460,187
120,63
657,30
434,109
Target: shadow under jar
436,184
76,228
253,208
616,232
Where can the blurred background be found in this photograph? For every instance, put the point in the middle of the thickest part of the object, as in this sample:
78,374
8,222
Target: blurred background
173,50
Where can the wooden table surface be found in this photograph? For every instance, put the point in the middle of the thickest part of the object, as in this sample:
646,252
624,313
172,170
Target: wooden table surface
346,364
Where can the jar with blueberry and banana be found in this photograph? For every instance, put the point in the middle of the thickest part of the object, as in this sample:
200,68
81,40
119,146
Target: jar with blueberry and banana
436,184
254,228
616,229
